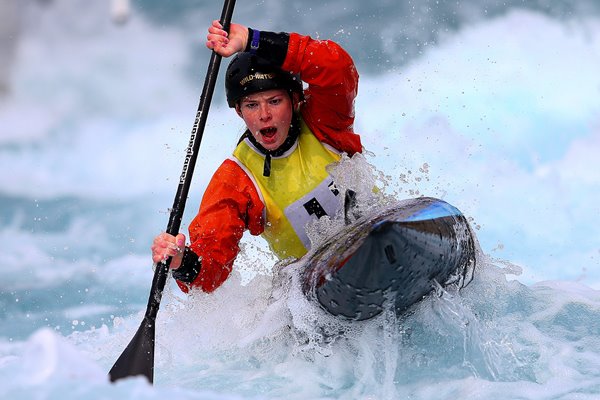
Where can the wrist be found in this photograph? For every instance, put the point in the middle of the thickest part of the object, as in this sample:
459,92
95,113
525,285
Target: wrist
252,41
270,46
189,267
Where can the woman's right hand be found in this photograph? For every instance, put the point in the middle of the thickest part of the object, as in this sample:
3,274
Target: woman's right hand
165,246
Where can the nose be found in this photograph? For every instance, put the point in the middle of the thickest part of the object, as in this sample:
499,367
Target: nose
265,113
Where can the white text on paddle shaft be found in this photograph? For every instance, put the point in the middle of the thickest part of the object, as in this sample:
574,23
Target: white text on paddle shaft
190,148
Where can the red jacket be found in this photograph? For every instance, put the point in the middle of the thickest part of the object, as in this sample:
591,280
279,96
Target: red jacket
231,203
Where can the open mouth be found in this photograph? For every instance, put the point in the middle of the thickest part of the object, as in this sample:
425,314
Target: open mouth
268,132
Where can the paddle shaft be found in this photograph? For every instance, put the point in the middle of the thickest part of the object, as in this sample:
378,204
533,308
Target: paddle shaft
138,357
162,268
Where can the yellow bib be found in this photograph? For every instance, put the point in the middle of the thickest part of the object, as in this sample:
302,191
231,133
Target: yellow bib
299,190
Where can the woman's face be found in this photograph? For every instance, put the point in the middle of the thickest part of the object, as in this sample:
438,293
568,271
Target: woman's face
268,116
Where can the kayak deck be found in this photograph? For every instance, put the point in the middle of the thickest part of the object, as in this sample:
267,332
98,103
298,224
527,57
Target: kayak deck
396,258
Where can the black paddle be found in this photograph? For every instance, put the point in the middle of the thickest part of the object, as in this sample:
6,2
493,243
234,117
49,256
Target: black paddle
138,357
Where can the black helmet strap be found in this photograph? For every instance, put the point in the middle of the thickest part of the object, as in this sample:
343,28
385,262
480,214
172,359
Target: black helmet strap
293,134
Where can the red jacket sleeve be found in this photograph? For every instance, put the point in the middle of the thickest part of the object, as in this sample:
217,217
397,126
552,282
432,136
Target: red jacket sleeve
332,87
230,205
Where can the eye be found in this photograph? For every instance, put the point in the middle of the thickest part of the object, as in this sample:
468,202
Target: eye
250,105
275,101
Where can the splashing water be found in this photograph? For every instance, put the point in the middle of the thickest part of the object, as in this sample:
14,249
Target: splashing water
490,106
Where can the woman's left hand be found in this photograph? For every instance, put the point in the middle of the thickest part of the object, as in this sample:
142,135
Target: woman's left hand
226,44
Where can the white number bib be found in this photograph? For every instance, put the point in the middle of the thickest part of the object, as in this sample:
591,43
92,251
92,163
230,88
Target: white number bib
323,200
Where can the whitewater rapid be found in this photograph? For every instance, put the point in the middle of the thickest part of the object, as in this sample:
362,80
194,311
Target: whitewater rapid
500,117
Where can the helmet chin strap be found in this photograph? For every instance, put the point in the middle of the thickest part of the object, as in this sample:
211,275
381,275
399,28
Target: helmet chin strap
297,101
291,139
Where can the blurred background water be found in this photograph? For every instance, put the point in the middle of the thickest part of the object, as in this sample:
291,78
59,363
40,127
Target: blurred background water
493,106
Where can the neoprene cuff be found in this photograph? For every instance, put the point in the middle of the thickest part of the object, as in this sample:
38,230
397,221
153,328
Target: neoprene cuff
271,46
254,39
190,267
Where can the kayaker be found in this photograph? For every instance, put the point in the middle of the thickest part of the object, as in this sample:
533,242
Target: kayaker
276,180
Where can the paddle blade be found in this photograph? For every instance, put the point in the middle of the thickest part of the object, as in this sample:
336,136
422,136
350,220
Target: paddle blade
138,357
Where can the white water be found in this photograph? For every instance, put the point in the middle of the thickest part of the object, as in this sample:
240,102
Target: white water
501,118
